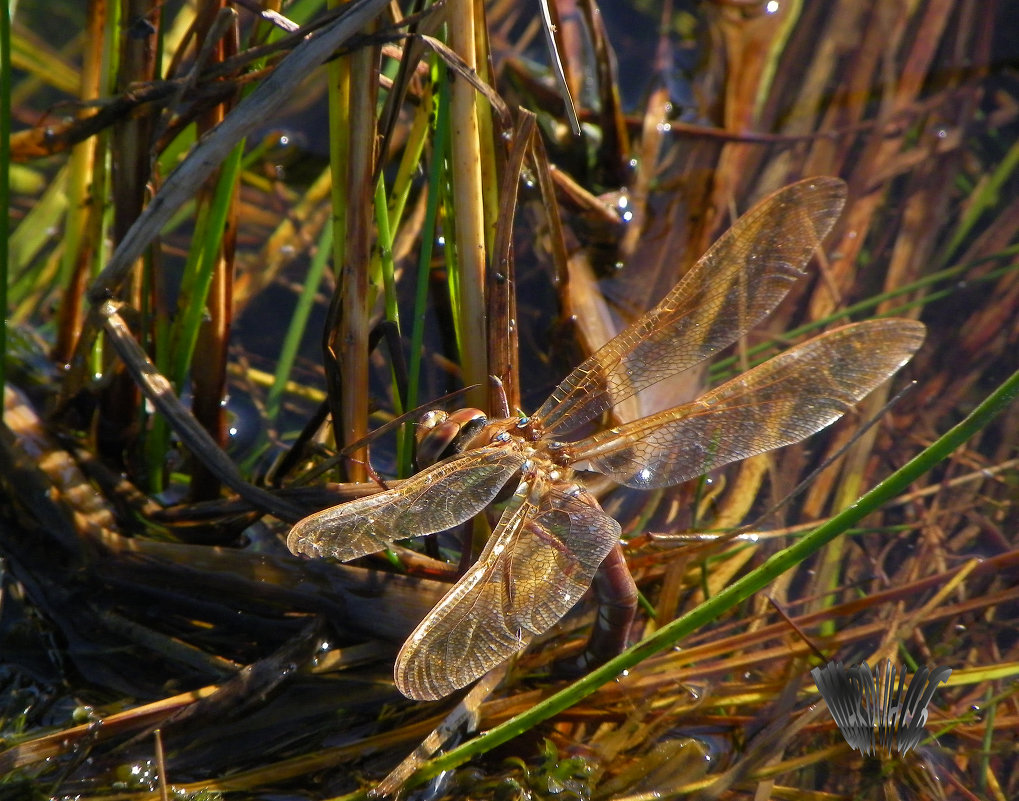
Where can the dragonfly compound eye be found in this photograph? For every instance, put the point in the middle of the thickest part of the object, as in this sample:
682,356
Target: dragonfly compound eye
441,434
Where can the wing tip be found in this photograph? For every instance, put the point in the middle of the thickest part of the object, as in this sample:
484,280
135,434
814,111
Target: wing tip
910,333
818,184
417,681
297,542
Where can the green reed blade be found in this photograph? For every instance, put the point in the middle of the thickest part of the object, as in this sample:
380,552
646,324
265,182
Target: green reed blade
298,323
195,287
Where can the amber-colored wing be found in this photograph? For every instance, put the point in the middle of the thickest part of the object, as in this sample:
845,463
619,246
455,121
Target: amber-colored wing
436,499
777,403
732,287
540,560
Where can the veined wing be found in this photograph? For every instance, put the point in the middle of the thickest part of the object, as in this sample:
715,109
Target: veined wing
777,403
540,560
727,292
440,497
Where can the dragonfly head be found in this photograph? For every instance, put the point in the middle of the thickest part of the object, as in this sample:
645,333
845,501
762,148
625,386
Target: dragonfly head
441,434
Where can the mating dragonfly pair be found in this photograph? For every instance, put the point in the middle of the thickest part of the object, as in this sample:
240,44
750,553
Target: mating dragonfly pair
553,536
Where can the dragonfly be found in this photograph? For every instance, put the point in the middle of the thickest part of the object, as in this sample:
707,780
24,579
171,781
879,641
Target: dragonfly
553,537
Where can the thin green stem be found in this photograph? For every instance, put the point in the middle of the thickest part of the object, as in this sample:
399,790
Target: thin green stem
384,243
298,323
194,305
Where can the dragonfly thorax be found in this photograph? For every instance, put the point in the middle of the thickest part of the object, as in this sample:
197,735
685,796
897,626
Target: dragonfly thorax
558,453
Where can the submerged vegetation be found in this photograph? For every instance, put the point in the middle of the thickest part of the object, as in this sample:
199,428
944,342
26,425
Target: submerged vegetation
242,237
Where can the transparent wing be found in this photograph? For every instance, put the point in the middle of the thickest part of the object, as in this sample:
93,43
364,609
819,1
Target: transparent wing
443,496
777,403
731,288
538,563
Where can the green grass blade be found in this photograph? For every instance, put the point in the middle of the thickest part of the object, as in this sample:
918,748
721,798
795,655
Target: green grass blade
384,243
298,323
196,290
